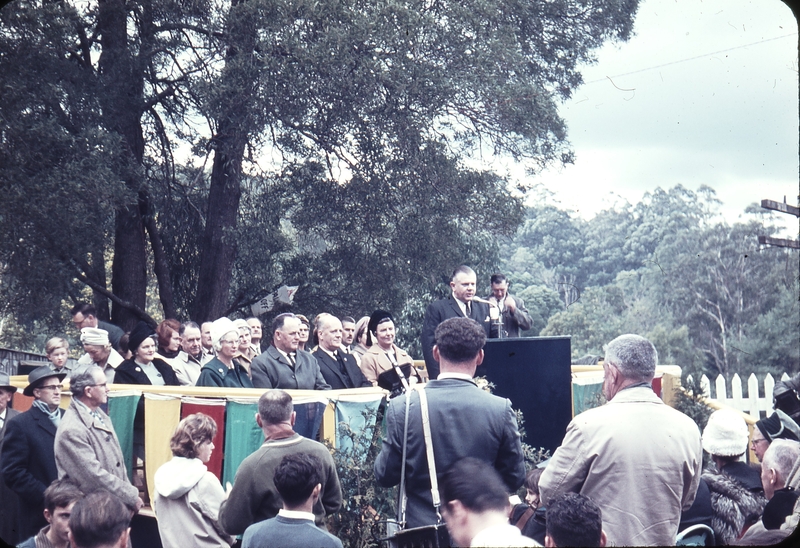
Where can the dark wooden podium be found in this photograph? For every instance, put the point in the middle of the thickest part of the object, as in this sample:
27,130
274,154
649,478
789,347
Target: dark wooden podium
534,373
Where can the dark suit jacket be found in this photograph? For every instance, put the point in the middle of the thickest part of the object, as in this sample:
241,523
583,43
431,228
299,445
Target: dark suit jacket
28,465
465,422
333,375
9,501
115,333
444,309
129,372
271,369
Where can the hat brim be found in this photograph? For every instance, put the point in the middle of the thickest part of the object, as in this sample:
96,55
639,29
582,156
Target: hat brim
8,387
35,384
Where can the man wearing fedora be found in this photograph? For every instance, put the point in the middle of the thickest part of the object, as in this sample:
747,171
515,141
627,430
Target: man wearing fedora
8,499
28,461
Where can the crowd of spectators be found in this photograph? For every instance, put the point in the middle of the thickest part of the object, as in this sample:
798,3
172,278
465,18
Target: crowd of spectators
627,473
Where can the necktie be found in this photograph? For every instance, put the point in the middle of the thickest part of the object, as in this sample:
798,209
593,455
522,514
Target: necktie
468,309
343,369
291,359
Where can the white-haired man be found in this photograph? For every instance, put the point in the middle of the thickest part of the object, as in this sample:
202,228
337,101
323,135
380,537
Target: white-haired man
778,461
638,459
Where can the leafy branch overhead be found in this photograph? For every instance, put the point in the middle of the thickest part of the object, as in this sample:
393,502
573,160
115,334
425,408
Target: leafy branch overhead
206,152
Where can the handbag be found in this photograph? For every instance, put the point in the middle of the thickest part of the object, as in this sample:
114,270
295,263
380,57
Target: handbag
428,536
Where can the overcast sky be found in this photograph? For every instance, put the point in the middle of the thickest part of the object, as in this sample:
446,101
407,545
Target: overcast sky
706,92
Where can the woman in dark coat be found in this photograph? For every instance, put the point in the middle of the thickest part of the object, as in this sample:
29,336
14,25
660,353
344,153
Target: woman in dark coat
224,370
144,367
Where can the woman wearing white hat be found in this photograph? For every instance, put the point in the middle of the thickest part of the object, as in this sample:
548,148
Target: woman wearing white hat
224,370
736,491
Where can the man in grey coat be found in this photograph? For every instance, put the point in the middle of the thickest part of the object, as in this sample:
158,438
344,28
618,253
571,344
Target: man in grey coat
465,421
87,449
282,365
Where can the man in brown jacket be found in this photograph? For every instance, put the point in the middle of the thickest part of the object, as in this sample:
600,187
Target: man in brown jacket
87,449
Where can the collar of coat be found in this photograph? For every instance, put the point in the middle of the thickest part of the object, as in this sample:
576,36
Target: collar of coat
636,394
85,415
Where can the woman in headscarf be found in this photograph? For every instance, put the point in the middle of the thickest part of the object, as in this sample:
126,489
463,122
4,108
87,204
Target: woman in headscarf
384,363
361,338
224,369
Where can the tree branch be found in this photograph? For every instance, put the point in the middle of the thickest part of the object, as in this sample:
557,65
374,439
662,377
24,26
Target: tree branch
113,298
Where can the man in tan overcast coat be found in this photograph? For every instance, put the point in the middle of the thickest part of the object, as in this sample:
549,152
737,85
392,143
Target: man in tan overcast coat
87,449
638,459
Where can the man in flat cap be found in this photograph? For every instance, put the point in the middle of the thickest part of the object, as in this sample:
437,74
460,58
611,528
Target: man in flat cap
99,352
28,461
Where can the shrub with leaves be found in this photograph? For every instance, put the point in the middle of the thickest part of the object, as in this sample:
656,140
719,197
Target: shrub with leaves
689,401
365,506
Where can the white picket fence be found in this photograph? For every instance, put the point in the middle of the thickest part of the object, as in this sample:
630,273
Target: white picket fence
753,404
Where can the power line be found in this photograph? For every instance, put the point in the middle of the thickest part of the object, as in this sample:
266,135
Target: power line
691,58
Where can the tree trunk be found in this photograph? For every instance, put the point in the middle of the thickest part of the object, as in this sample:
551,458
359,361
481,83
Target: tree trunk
122,80
161,268
97,272
234,123
219,247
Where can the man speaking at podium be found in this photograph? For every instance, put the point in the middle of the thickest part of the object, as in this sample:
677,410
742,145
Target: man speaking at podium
460,304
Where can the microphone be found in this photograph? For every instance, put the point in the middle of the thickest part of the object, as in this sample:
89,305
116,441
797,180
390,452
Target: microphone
484,301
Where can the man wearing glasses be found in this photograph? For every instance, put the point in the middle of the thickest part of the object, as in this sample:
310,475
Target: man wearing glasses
87,449
28,461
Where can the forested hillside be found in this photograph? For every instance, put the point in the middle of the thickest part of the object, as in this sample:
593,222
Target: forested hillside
704,291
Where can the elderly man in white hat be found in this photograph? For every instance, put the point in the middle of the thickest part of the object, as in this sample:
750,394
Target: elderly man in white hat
224,369
28,461
99,352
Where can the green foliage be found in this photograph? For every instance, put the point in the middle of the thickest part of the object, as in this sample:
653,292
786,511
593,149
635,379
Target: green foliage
365,507
350,129
709,297
689,401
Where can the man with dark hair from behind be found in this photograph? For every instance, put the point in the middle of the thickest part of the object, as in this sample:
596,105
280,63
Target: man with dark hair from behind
574,520
100,520
475,506
59,498
298,482
465,421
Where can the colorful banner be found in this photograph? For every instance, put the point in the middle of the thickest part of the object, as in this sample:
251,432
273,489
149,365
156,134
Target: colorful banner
355,420
162,414
242,436
122,410
216,410
308,418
